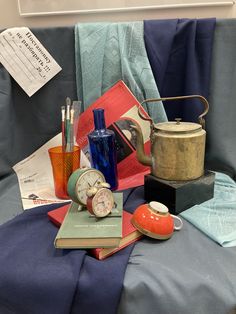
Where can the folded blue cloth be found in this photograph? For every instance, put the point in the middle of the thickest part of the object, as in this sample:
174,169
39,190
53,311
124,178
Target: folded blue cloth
217,216
36,278
180,54
108,52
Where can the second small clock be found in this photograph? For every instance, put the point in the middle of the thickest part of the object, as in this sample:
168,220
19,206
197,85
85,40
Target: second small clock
100,201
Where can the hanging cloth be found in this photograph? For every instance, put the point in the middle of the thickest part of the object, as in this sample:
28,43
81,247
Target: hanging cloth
179,51
108,52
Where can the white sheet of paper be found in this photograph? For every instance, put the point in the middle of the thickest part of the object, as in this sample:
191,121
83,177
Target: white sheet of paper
26,59
35,176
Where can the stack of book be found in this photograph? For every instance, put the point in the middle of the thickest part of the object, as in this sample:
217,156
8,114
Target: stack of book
103,236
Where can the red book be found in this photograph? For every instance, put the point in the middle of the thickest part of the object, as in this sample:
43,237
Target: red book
57,215
130,233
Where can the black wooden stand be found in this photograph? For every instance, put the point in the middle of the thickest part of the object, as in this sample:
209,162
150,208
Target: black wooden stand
179,195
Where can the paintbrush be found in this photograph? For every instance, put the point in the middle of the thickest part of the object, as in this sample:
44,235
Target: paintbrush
63,110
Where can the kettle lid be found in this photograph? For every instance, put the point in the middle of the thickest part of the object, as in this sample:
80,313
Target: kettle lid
178,127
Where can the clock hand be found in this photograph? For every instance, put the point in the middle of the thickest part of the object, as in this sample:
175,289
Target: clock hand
83,189
96,182
101,202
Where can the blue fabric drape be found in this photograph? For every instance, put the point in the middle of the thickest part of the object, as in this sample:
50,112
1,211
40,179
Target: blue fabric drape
179,52
36,278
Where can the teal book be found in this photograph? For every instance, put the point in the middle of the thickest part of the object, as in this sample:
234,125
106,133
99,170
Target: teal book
82,230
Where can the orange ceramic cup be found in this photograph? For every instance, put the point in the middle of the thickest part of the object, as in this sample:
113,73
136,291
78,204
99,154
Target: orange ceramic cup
63,164
155,221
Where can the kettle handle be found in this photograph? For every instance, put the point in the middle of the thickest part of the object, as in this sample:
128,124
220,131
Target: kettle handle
201,98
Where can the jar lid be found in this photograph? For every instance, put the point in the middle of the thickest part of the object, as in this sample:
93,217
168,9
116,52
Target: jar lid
178,127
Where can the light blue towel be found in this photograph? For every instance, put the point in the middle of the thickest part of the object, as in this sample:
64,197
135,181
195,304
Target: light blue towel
217,217
108,52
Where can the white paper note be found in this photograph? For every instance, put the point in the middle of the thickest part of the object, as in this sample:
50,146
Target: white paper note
35,176
25,58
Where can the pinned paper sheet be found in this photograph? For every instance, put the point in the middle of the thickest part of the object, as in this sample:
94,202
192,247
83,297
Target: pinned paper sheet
25,58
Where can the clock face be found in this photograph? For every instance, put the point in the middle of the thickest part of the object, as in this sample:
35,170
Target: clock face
87,179
102,202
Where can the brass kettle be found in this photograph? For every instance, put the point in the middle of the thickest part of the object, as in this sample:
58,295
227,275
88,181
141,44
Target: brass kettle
177,148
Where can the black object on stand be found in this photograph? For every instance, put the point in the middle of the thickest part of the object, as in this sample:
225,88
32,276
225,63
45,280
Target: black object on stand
179,195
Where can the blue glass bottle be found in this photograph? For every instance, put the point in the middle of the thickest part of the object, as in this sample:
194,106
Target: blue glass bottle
102,149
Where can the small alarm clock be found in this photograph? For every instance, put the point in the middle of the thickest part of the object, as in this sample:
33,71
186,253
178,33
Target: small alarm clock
100,200
80,181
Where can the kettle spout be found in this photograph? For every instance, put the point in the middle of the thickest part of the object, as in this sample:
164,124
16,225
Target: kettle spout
140,153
